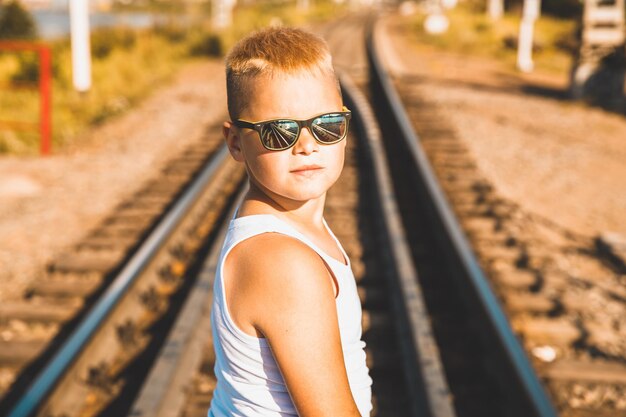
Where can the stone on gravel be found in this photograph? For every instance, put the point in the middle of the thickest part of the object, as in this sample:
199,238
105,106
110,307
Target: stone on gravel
16,186
49,204
613,246
515,278
532,303
559,332
598,371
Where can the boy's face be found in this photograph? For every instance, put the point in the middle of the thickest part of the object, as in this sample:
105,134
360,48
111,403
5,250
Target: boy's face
306,170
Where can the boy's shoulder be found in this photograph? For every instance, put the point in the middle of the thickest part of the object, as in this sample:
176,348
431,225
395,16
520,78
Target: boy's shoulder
271,261
273,249
274,276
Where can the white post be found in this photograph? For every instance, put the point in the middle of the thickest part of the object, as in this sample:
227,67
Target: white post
436,21
525,41
303,5
81,54
449,4
495,9
603,35
222,13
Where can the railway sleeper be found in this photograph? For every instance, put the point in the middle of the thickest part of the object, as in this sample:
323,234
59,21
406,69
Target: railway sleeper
373,297
132,219
375,320
17,353
85,262
541,330
146,206
66,288
106,243
124,232
149,197
509,276
450,177
37,313
530,303
185,161
388,398
444,148
450,158
599,371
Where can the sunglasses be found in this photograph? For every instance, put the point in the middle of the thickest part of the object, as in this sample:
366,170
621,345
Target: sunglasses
281,134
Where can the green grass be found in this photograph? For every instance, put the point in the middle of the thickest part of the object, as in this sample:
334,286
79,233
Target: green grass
126,67
472,32
248,18
120,79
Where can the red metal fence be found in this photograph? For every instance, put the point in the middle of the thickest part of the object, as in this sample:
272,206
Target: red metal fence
45,93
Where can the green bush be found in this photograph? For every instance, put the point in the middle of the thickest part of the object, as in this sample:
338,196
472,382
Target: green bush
208,45
565,9
103,41
28,69
16,22
171,31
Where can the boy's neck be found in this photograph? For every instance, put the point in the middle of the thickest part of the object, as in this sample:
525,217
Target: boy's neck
305,213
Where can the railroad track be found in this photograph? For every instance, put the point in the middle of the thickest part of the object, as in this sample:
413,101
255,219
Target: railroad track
80,334
563,295
431,346
403,356
379,256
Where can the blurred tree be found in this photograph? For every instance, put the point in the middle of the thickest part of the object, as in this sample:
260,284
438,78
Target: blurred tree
208,45
16,22
565,9
562,8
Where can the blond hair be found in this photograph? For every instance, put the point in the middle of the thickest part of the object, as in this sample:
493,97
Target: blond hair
273,51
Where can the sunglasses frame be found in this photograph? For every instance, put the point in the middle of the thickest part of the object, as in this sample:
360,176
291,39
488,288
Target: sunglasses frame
302,123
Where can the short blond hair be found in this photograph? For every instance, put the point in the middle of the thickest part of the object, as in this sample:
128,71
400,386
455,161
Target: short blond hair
273,51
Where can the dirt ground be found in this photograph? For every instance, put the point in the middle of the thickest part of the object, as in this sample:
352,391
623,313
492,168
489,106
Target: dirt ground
558,159
49,203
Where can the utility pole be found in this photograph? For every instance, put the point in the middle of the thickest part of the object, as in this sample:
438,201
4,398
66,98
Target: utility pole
222,13
303,5
81,52
525,39
598,72
495,9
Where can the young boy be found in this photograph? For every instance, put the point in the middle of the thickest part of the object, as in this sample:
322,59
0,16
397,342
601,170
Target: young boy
286,315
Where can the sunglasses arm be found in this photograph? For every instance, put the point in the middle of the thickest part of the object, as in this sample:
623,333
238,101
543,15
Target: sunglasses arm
244,124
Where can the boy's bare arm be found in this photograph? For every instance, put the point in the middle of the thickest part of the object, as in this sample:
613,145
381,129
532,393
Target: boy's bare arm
297,314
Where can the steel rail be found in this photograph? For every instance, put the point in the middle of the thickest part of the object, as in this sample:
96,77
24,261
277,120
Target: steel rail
425,377
163,393
47,378
517,375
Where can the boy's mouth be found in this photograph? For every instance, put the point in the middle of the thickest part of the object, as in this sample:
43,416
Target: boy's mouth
306,168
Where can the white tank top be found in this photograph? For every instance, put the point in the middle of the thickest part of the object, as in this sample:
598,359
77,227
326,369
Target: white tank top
249,383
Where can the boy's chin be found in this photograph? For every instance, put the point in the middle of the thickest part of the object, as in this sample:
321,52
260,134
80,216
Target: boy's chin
291,194
301,195
295,194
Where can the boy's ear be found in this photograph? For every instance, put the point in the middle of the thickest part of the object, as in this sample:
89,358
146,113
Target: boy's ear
233,141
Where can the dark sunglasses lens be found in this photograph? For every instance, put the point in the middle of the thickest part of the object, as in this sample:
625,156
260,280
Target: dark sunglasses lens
279,134
330,128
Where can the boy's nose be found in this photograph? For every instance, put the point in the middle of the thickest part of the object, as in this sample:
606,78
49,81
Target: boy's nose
306,142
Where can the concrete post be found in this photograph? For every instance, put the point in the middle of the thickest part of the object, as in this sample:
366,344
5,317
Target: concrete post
495,9
222,13
303,5
598,71
81,52
525,39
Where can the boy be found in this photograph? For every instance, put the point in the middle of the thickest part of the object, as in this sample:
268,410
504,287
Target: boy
286,316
